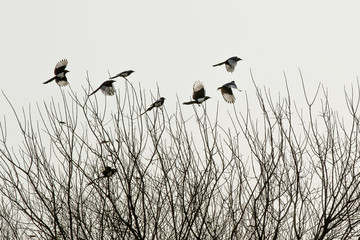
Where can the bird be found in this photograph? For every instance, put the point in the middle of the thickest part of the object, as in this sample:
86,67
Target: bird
60,74
230,63
198,94
106,87
107,172
227,93
123,74
157,103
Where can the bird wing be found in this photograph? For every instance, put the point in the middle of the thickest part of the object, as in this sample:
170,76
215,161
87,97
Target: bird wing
227,94
108,90
158,103
60,66
199,90
230,66
62,82
232,84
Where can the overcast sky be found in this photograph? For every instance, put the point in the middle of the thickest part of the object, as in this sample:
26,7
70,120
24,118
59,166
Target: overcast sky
175,43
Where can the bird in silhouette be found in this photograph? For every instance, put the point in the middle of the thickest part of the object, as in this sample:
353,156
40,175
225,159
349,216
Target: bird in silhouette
106,87
123,74
230,63
60,74
198,94
157,103
227,93
107,172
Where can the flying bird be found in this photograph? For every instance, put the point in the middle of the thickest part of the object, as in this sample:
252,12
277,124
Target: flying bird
60,74
157,103
123,74
227,93
198,94
230,63
106,87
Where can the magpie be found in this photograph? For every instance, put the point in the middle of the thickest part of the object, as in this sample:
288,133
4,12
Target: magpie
107,172
123,74
227,93
198,94
230,63
157,103
60,73
106,87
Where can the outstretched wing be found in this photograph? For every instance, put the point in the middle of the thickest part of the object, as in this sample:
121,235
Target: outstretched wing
60,66
199,90
62,82
227,94
230,65
108,90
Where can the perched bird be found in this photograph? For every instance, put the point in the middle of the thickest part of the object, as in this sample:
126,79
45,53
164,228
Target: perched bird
198,94
106,87
60,73
230,64
123,74
157,103
227,93
107,172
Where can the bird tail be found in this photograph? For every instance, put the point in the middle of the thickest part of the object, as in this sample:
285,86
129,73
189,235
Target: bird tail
51,79
114,77
218,64
188,103
151,107
95,91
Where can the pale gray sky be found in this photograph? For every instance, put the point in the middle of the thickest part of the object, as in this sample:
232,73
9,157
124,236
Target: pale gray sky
175,43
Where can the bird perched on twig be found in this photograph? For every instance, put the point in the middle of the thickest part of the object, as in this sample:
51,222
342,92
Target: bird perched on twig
230,63
198,94
123,74
106,87
107,172
227,93
157,103
60,74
